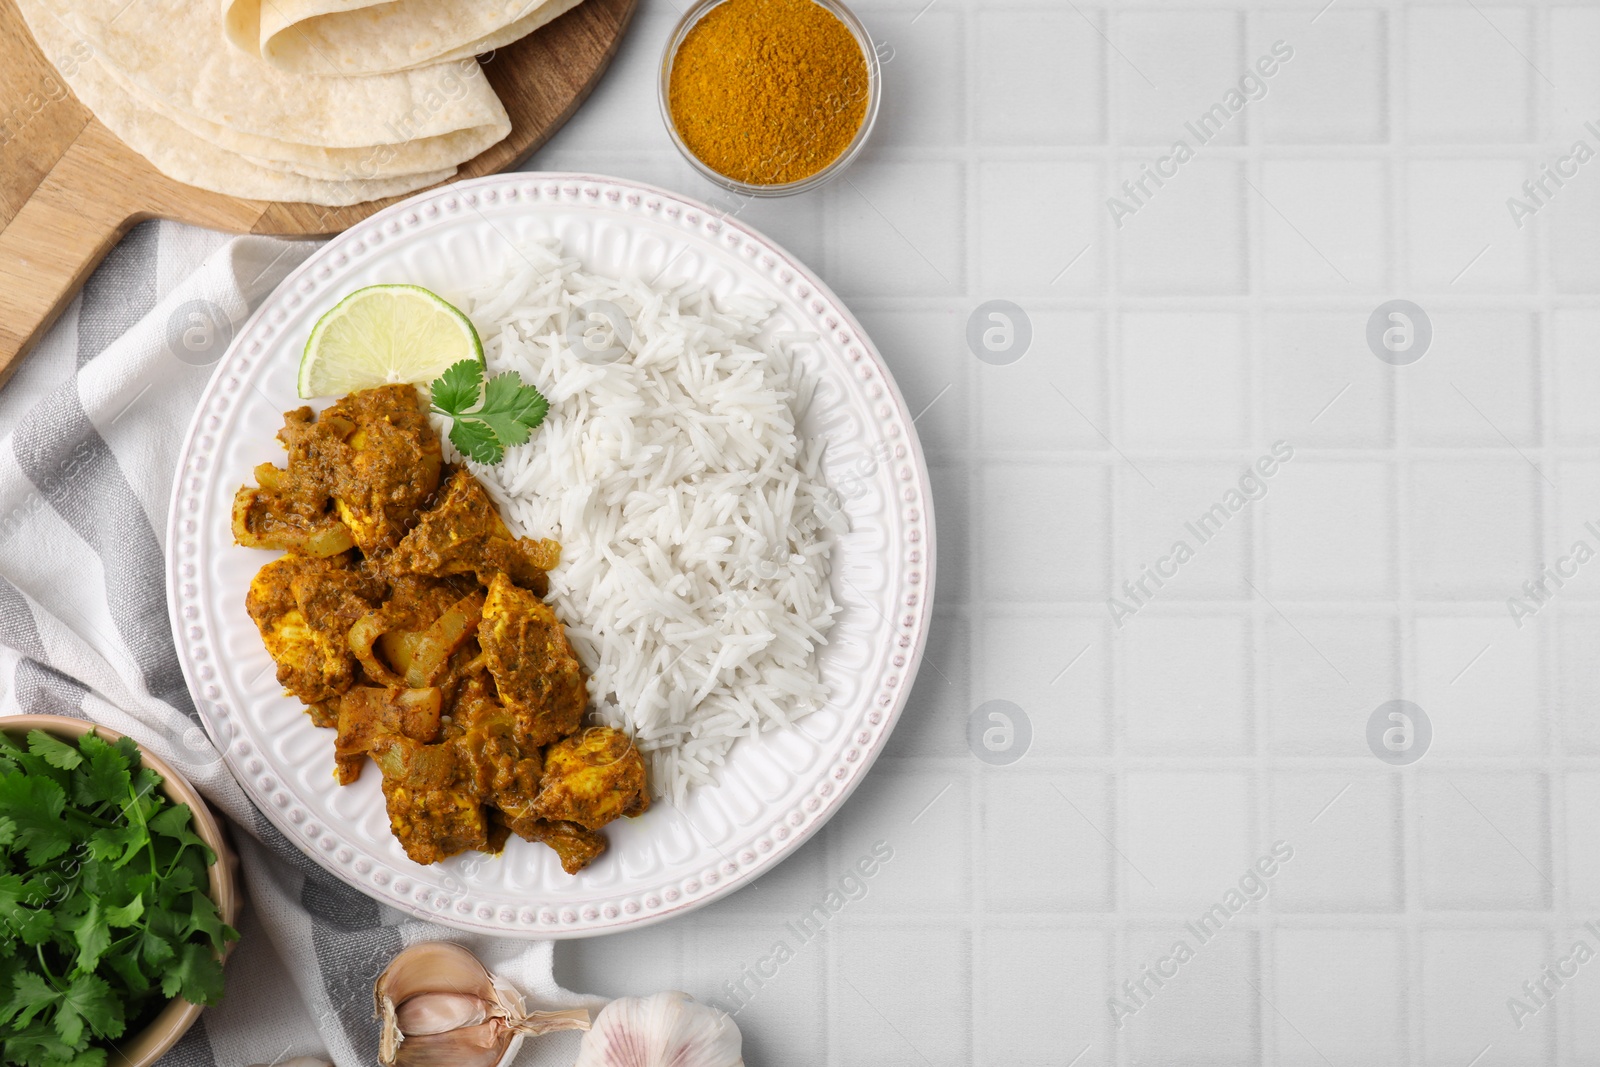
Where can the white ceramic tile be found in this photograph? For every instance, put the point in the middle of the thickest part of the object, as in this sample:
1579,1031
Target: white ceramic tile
765,967
1574,338
1323,223
1054,397
1364,1023
1473,527
1578,998
1578,682
1024,561
1041,228
1571,220
1569,546
1345,831
1175,65
1485,841
1477,384
1467,977
1187,836
1184,379
920,817
1329,529
1478,680
930,362
924,88
1042,81
1068,869
1323,386
1055,1015
1581,790
889,1006
1056,669
1209,1013
1185,236
896,228
1334,89
1175,543
1186,685
1459,236
1574,37
1312,668
1468,75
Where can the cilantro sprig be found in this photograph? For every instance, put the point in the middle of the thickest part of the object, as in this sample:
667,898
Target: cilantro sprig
506,410
105,912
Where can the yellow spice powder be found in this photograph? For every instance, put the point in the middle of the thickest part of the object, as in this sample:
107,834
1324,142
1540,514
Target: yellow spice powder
768,92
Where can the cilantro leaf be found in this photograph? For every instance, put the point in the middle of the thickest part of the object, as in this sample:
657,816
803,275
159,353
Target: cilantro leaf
196,976
58,754
174,822
92,934
510,408
487,417
125,915
457,388
30,995
103,777
476,441
35,806
88,1000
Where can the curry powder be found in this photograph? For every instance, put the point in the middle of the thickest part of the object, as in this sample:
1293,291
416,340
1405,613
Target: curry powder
768,92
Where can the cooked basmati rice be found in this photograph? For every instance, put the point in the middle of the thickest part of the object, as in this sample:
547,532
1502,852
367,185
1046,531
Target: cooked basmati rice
694,522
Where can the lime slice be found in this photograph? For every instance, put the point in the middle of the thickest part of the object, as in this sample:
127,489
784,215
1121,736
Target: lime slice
384,335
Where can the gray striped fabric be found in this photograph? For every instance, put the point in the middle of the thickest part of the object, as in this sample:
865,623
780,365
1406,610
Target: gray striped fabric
89,434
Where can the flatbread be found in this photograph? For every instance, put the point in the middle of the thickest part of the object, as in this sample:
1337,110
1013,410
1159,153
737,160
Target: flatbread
171,56
383,160
180,155
329,37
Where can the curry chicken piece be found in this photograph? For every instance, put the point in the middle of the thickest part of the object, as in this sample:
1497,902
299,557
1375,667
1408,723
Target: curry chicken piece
368,465
304,608
407,615
434,812
575,846
593,778
534,668
464,534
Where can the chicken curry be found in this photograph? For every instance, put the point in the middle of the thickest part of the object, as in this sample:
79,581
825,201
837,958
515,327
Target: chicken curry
407,618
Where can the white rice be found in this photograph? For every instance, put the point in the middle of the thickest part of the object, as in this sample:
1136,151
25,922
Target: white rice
694,522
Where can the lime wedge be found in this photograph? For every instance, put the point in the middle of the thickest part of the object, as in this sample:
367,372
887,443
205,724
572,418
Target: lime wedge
384,335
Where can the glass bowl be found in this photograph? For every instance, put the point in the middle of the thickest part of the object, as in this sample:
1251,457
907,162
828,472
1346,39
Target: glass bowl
821,177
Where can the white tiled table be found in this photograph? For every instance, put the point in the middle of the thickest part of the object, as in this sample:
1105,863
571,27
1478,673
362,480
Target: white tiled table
1228,312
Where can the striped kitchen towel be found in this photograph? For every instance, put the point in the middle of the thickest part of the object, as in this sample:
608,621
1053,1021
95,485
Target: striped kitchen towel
90,429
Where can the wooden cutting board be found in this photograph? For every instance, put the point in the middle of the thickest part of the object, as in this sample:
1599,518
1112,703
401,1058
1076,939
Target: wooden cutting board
69,189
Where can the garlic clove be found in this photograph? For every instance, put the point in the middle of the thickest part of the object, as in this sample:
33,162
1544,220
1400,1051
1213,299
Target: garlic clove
436,1013
665,1030
439,1005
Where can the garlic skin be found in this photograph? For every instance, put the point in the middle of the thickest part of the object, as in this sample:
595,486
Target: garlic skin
665,1030
440,1007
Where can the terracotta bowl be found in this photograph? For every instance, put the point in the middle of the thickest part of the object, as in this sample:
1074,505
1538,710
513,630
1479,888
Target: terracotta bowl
149,1045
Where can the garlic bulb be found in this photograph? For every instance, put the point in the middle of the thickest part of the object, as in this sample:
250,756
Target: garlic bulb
664,1030
440,1007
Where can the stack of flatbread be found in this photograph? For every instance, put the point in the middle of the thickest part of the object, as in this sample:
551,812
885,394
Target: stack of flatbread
327,102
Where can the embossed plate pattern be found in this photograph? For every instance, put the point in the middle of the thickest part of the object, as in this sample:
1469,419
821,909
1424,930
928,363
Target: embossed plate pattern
775,791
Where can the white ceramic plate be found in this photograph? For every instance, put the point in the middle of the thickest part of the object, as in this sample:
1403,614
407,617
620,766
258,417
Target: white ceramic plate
775,791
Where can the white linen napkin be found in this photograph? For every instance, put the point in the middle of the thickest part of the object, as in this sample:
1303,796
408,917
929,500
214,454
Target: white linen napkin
91,427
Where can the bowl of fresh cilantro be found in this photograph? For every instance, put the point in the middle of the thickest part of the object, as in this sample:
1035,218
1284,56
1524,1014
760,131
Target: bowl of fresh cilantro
117,898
